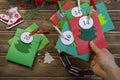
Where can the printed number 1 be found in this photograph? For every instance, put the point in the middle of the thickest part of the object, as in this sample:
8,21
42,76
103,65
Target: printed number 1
68,37
86,22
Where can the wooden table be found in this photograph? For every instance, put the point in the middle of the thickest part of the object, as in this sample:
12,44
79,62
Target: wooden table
55,70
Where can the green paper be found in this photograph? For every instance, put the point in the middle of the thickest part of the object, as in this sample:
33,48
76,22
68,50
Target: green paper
70,49
19,46
59,4
90,12
23,53
90,33
103,11
61,23
102,19
44,41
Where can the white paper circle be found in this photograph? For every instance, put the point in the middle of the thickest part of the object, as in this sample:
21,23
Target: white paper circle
68,38
26,38
75,12
85,23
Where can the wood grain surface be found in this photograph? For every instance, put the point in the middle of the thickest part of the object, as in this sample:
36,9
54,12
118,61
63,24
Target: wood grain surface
55,70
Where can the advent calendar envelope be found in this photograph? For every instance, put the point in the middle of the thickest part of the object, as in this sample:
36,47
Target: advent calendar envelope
44,41
54,17
85,30
23,52
70,49
104,17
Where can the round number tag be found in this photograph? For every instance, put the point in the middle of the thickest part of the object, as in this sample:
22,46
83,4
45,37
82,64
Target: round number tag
85,23
26,38
61,15
75,12
68,38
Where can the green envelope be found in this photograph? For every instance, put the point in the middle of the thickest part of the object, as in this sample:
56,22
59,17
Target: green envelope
23,53
104,18
44,41
70,49
103,15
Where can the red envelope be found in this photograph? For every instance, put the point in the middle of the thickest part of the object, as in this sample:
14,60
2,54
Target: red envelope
54,18
83,45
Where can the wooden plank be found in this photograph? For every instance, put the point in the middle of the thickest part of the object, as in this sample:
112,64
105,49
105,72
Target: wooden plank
55,69
46,78
43,21
112,48
112,41
113,5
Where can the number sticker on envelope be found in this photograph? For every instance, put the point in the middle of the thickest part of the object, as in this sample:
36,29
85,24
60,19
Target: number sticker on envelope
76,12
69,39
85,23
26,38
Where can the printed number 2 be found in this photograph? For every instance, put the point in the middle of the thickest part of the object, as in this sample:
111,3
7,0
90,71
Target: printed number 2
27,37
77,12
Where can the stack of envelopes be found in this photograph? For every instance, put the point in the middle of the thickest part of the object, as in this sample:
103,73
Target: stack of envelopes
79,30
23,52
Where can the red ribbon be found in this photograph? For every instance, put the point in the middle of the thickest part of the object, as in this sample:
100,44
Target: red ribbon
93,4
39,31
21,4
34,31
43,32
37,2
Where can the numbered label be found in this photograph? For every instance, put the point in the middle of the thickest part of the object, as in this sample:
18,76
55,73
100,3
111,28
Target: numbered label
85,23
26,38
68,38
61,15
75,12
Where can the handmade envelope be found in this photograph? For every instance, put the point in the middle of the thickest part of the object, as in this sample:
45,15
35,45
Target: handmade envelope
104,18
85,30
44,41
54,17
70,49
23,53
103,15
